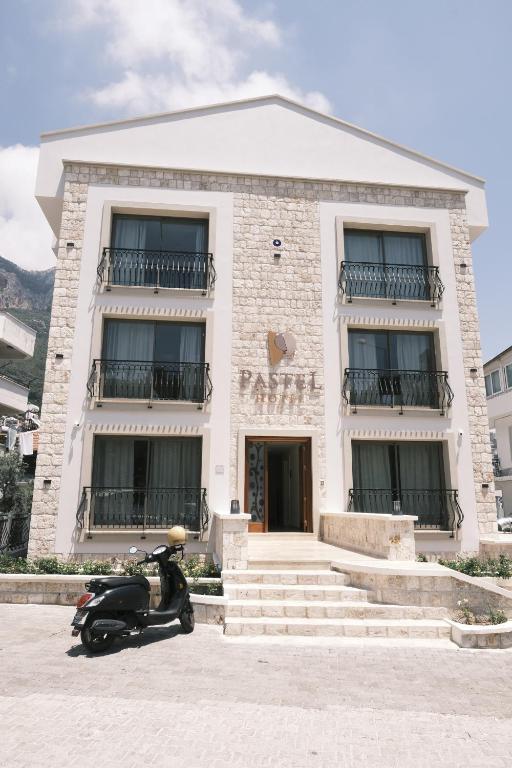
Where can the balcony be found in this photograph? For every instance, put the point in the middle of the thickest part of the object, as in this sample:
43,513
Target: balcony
13,397
435,509
180,270
17,340
395,282
140,380
142,509
396,389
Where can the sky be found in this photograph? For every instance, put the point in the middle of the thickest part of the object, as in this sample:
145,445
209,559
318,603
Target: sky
434,75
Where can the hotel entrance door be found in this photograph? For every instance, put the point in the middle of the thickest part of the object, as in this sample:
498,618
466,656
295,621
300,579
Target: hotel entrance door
278,483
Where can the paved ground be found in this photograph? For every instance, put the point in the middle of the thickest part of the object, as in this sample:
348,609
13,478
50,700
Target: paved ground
205,700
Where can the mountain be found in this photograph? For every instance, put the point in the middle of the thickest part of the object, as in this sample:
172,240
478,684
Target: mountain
28,296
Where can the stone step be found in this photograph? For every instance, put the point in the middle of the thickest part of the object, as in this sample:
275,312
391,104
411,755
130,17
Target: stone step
431,629
303,576
329,609
259,564
258,591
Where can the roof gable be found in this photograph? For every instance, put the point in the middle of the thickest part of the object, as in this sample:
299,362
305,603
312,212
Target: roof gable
269,135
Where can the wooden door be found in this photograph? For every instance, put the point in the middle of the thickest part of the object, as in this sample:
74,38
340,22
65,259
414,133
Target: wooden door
306,485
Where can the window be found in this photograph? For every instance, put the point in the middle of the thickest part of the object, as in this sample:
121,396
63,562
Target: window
153,233
153,360
390,265
403,248
492,383
508,375
162,252
150,482
406,477
391,350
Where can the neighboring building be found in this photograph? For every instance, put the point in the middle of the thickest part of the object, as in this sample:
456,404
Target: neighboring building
16,343
255,301
498,388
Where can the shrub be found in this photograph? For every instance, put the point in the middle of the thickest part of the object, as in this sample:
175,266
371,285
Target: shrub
497,616
194,568
96,568
485,566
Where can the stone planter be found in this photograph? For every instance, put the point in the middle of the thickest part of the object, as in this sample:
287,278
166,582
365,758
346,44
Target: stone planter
482,635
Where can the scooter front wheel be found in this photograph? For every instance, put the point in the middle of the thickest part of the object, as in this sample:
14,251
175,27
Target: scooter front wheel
96,642
187,618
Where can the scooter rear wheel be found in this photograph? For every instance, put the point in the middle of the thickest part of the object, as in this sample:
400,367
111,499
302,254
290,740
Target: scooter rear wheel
187,618
94,642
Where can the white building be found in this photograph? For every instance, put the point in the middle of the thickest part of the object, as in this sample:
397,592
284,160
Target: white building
185,241
498,387
16,343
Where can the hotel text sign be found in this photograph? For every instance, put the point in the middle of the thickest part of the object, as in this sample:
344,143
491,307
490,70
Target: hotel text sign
278,386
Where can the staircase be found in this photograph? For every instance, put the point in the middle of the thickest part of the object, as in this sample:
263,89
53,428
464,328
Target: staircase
299,598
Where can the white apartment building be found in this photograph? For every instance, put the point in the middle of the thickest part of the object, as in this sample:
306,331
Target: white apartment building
261,303
498,388
16,343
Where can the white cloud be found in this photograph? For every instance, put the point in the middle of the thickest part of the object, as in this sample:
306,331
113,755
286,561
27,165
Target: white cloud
139,94
182,53
25,236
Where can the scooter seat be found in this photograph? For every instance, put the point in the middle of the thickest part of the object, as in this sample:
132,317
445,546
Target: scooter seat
110,582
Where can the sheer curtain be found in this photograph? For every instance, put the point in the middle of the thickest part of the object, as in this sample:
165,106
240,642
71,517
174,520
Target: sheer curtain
191,351
175,463
405,249
364,252
128,266
408,250
371,471
113,467
363,246
420,470
188,239
130,341
414,352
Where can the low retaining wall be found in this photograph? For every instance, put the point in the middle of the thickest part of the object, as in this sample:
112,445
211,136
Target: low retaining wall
482,636
426,584
65,590
388,536
228,541
496,544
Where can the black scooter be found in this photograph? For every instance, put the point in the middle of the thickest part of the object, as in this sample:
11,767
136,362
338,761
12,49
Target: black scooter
117,606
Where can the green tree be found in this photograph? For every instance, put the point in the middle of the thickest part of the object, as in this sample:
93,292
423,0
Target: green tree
15,496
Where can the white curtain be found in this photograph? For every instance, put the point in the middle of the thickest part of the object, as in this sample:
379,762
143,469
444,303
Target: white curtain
411,351
420,470
191,351
113,467
129,268
404,249
363,246
130,232
129,341
175,463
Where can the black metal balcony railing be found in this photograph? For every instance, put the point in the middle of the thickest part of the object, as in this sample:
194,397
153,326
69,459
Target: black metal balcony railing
436,509
390,281
157,269
14,531
140,380
396,389
143,508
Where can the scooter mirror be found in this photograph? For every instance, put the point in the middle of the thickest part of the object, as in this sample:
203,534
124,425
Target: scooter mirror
133,550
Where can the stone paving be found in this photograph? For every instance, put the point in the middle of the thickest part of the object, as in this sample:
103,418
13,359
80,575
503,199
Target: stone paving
207,700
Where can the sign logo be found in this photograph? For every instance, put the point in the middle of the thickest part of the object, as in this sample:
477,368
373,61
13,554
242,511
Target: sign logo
280,345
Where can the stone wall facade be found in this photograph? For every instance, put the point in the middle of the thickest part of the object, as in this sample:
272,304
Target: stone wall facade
268,294
475,386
